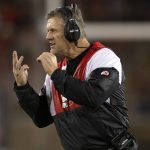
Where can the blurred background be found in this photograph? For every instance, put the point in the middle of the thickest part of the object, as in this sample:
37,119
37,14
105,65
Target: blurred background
122,25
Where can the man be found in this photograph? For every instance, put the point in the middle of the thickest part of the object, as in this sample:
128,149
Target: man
83,94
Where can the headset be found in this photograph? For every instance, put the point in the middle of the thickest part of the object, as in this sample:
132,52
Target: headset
71,29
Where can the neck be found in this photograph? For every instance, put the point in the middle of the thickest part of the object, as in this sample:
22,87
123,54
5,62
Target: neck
77,49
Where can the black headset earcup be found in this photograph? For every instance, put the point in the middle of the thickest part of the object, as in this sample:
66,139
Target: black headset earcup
72,31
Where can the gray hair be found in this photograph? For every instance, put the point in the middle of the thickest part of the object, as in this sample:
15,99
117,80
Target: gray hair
66,13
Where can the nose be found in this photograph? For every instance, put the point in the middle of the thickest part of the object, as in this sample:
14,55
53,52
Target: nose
49,36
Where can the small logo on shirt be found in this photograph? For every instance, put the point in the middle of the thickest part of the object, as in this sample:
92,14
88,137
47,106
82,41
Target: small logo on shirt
65,102
63,67
105,73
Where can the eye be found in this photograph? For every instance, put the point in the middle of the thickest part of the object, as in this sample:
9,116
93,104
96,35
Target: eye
52,30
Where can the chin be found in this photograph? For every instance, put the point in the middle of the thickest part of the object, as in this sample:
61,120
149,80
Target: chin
53,51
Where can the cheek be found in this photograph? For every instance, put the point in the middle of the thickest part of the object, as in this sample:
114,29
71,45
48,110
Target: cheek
62,40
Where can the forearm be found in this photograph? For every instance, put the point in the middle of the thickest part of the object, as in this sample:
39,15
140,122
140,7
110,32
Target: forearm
34,105
90,93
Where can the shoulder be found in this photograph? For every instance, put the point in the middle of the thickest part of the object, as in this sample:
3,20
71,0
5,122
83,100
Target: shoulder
104,58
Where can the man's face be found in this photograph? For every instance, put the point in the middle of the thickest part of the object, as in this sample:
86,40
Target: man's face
55,35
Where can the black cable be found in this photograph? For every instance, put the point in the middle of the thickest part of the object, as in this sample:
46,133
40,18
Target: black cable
76,44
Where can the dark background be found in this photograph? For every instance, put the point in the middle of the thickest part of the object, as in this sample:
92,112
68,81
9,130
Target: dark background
23,27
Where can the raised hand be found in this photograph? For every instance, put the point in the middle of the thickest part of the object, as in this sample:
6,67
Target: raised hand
48,61
20,71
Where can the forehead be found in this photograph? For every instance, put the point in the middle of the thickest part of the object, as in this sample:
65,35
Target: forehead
55,22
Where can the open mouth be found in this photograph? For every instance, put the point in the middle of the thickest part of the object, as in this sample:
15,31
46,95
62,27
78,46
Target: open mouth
51,44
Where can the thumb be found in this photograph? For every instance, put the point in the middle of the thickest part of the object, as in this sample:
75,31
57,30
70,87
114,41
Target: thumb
24,67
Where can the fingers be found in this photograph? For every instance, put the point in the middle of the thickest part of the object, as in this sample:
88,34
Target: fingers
24,67
15,58
18,64
45,55
38,59
42,57
48,62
